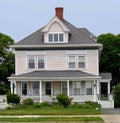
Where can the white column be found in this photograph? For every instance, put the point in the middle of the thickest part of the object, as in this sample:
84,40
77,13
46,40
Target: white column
108,84
40,91
68,88
94,90
11,86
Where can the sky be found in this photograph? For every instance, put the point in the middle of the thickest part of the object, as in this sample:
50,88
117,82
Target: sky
20,18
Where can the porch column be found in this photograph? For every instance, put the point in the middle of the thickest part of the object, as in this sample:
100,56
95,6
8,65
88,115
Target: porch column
11,86
15,91
94,90
108,84
68,88
98,87
40,91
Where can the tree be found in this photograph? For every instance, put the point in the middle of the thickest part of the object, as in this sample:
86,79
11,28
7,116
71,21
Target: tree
110,57
117,95
7,62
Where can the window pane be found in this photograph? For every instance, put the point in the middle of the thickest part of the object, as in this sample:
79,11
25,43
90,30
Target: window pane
71,61
76,91
35,86
31,62
64,88
55,37
89,91
24,88
41,62
50,37
61,37
81,58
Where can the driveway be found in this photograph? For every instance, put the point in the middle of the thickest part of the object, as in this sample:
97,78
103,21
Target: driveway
114,111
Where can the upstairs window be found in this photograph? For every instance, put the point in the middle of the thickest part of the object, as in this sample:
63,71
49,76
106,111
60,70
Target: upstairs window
36,62
55,37
76,61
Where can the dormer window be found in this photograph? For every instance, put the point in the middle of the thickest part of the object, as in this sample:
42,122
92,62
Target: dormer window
55,37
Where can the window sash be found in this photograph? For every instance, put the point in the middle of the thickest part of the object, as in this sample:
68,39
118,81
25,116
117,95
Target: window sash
41,63
35,88
31,62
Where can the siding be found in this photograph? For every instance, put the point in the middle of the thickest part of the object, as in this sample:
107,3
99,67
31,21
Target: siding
56,60
20,62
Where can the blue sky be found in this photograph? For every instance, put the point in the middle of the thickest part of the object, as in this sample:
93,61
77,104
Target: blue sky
19,18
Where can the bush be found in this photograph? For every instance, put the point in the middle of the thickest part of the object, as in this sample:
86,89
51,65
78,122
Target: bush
44,104
116,93
28,102
93,104
13,98
64,100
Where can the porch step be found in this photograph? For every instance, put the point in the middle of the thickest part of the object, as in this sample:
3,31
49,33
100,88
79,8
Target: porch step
107,104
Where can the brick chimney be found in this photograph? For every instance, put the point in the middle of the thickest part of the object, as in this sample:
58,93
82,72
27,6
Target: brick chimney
59,12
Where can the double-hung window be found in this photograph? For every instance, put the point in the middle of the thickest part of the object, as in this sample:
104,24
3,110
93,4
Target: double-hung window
76,61
36,62
76,88
31,62
41,62
55,37
72,61
35,88
89,88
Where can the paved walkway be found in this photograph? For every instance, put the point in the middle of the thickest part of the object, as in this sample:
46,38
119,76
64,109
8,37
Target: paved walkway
106,118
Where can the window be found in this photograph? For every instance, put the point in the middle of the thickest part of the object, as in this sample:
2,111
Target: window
35,87
48,88
55,37
76,88
89,88
76,61
71,61
40,62
36,62
31,62
24,88
64,88
81,61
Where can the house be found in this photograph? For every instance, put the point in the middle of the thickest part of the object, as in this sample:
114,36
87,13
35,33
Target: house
60,58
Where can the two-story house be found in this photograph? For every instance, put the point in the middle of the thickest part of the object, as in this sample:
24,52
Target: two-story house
60,58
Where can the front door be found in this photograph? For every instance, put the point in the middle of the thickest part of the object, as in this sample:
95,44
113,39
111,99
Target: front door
48,88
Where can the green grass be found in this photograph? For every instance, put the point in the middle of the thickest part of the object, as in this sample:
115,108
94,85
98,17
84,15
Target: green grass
50,111
51,119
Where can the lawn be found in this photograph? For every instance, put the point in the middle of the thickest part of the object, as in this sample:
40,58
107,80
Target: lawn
31,110
52,119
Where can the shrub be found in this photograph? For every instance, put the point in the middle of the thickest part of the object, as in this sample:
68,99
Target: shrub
64,100
45,104
116,93
93,104
28,102
13,98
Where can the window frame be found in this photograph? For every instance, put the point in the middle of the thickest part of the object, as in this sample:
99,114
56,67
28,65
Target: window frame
89,86
77,61
76,87
34,94
36,58
58,34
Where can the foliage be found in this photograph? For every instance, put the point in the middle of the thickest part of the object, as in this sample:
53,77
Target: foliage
116,93
13,98
7,59
93,104
64,100
28,102
110,57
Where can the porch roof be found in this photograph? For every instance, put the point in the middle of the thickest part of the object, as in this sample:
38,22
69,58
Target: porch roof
55,75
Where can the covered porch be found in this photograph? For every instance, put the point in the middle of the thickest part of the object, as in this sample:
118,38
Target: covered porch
46,85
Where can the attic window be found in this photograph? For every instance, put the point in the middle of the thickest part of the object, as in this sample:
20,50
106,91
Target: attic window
55,37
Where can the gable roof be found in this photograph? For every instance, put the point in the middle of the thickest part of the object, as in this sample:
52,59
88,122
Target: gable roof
51,74
77,38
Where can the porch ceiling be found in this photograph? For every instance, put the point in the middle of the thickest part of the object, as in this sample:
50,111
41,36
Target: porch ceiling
54,75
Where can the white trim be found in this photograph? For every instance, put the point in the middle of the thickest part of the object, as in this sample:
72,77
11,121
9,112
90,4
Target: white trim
40,90
68,88
55,19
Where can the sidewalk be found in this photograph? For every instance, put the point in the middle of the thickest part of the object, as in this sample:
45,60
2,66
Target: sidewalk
106,118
